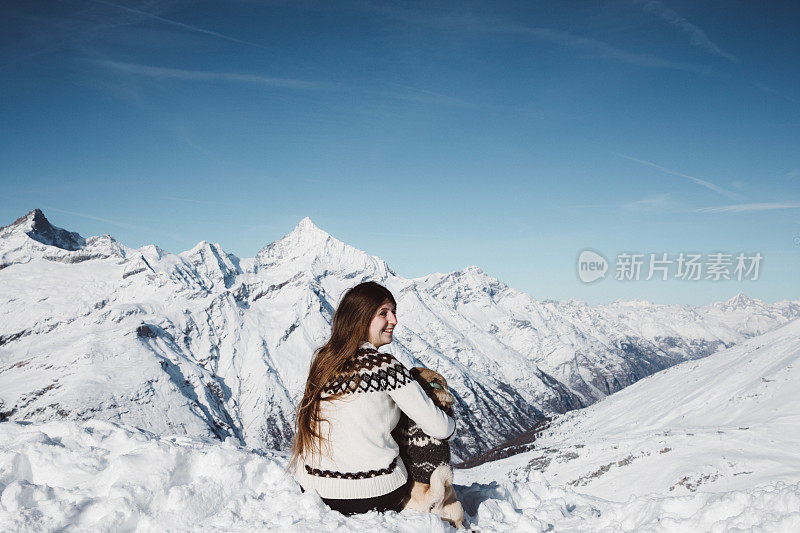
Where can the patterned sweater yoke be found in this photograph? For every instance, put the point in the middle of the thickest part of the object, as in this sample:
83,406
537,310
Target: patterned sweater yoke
369,371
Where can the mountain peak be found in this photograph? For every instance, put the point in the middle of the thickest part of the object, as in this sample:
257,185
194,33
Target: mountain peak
308,244
308,235
476,273
33,220
306,224
201,249
36,226
739,301
307,228
472,277
197,248
472,269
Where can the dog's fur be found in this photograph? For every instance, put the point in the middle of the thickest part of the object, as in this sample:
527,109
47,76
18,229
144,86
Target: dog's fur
438,496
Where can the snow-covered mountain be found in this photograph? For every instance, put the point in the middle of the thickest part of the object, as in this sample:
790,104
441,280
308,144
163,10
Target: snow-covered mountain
207,344
728,422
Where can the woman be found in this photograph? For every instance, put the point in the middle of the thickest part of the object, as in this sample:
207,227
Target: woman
353,397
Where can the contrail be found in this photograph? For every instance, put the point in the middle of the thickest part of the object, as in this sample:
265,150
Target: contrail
704,183
179,24
762,206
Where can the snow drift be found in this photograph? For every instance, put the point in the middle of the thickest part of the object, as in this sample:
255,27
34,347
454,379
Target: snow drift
96,476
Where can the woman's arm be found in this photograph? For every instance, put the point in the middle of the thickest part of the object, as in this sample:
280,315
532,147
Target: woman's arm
413,401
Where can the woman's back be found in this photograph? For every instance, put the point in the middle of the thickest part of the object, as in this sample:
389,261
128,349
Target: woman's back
360,458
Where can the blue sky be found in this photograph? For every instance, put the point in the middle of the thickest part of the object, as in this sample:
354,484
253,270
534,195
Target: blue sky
507,135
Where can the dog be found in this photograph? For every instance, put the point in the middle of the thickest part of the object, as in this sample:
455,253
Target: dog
427,459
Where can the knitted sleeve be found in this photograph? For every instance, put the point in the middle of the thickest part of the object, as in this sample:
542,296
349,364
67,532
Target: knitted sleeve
413,401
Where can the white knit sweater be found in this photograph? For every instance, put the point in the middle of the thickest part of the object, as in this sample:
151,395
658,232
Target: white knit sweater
363,459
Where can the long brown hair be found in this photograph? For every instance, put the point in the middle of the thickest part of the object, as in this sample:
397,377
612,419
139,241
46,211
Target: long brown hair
350,327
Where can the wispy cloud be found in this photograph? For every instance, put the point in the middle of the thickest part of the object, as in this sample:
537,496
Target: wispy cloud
597,48
795,173
701,182
761,206
322,182
697,37
273,228
203,75
657,202
177,24
50,33
125,225
426,96
132,93
412,94
196,201
769,90
470,23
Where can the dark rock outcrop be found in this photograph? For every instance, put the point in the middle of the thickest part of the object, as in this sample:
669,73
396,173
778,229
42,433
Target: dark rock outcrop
42,231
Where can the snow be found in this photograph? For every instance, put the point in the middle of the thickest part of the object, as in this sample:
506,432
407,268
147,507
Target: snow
725,425
98,476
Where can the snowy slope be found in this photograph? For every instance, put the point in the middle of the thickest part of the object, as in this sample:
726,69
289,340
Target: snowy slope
205,343
728,422
96,476
595,351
